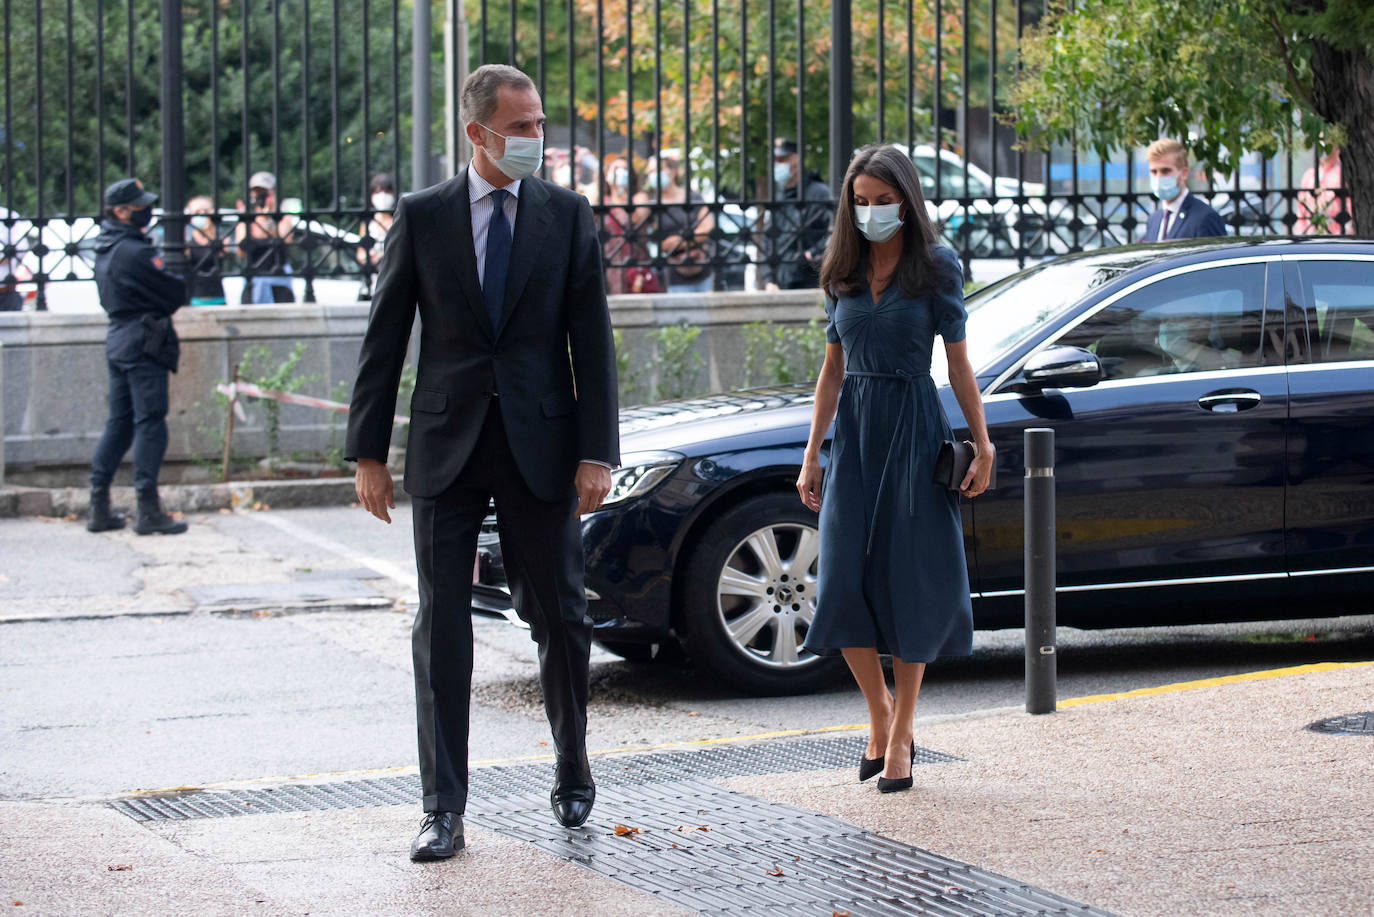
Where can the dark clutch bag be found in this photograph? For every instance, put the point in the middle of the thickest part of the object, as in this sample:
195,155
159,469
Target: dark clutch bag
951,465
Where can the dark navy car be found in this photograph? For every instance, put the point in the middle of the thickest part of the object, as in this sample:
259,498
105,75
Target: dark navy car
1213,406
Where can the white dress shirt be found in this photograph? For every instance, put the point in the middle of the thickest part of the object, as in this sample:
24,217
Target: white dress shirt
1166,222
479,199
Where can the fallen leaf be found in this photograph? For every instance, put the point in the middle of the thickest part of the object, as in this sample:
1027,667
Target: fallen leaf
1099,850
797,858
839,914
122,867
257,505
775,871
544,743
71,517
622,830
951,889
691,828
224,511
18,904
694,713
675,846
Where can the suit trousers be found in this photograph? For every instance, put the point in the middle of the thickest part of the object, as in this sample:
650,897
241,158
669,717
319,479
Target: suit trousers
541,546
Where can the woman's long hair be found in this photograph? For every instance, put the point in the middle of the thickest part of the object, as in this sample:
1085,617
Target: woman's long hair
846,256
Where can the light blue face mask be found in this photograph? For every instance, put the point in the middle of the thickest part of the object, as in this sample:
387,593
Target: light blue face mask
1164,187
523,156
782,171
878,222
659,179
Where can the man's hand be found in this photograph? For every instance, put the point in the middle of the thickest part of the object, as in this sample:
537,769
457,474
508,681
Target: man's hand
593,482
372,482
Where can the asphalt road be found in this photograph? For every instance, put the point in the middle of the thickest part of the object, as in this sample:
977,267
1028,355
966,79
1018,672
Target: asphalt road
99,706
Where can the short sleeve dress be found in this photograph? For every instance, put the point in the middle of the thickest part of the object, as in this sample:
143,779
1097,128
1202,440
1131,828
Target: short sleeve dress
891,573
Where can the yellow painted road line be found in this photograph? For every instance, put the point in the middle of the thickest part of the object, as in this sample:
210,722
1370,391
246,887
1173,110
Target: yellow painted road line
778,734
1214,682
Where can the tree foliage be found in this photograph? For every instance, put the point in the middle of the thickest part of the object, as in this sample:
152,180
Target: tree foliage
1229,76
43,47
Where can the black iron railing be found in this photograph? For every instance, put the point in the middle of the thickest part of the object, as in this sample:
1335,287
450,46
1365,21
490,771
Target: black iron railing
313,92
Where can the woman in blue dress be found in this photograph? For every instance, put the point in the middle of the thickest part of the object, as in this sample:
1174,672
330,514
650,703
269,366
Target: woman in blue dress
892,579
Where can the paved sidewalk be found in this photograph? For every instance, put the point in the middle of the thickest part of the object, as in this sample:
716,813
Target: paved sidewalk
1207,798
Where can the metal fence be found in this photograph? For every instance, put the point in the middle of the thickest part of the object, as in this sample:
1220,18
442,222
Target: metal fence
195,97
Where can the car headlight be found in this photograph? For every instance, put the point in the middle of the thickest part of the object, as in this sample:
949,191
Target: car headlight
639,473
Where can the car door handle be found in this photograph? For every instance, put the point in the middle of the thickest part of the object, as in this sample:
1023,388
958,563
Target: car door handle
1229,402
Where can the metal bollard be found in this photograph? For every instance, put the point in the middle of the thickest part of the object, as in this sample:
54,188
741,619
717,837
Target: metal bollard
1040,571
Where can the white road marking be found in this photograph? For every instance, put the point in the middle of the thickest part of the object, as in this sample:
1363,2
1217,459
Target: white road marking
395,572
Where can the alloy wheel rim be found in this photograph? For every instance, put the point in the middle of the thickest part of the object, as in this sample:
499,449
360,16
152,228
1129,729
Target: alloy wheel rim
766,595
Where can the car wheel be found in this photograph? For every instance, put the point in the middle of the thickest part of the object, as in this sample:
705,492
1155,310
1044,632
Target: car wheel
751,596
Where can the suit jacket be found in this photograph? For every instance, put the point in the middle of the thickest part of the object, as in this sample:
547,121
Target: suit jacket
1195,220
550,364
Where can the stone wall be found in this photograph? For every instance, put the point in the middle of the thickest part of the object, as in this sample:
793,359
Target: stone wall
55,385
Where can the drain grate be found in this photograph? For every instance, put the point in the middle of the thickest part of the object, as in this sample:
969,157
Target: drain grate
505,780
1352,724
759,857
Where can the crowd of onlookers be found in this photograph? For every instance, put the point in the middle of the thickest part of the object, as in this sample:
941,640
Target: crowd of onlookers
659,234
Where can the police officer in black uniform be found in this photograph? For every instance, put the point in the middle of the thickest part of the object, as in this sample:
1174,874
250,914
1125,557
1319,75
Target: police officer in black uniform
141,348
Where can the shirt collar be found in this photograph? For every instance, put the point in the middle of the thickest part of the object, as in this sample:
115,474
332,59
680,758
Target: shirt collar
479,187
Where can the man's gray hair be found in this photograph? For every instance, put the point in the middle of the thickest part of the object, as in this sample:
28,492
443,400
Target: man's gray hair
480,89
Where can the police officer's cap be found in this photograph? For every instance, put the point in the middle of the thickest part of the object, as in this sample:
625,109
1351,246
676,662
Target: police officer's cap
129,192
783,147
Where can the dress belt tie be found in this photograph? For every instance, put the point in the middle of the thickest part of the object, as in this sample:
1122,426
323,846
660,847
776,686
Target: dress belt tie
908,403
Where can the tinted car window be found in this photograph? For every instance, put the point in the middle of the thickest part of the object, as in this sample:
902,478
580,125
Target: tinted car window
1340,298
1194,322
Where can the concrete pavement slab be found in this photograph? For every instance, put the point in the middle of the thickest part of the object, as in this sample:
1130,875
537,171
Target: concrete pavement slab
1214,801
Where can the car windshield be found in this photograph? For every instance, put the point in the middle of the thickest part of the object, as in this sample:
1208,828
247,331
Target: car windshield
1001,314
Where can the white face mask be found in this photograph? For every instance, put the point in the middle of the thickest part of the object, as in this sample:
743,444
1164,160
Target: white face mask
523,156
620,178
200,221
878,222
383,201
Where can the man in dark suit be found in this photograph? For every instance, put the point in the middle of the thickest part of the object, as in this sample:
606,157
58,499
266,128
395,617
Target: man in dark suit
515,401
1180,215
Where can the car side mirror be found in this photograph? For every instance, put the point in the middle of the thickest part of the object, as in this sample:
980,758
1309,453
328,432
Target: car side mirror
1062,367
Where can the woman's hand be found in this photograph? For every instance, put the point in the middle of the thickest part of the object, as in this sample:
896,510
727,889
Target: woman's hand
979,471
809,484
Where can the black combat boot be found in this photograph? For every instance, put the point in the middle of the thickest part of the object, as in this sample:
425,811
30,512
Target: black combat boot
103,519
152,520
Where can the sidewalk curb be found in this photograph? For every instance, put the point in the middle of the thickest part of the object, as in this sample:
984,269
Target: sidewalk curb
17,502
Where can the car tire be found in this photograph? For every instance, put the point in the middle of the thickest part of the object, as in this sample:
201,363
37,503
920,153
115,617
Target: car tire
750,596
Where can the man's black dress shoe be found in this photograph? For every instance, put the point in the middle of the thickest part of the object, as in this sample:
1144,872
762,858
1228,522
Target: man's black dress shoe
573,791
441,833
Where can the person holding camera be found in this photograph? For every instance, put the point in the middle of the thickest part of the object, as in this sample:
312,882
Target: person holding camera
262,243
141,349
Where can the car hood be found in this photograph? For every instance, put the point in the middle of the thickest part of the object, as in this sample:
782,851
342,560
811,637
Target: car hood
683,425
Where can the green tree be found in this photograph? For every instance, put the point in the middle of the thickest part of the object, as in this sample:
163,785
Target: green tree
1242,74
103,96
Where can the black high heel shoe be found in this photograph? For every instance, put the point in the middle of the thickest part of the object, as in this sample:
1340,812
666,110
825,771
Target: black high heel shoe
870,767
896,784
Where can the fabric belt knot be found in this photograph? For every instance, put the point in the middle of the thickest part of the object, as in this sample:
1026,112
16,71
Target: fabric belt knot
498,259
910,380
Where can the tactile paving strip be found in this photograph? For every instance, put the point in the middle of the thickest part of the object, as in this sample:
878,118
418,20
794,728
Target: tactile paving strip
693,843
758,857
711,762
